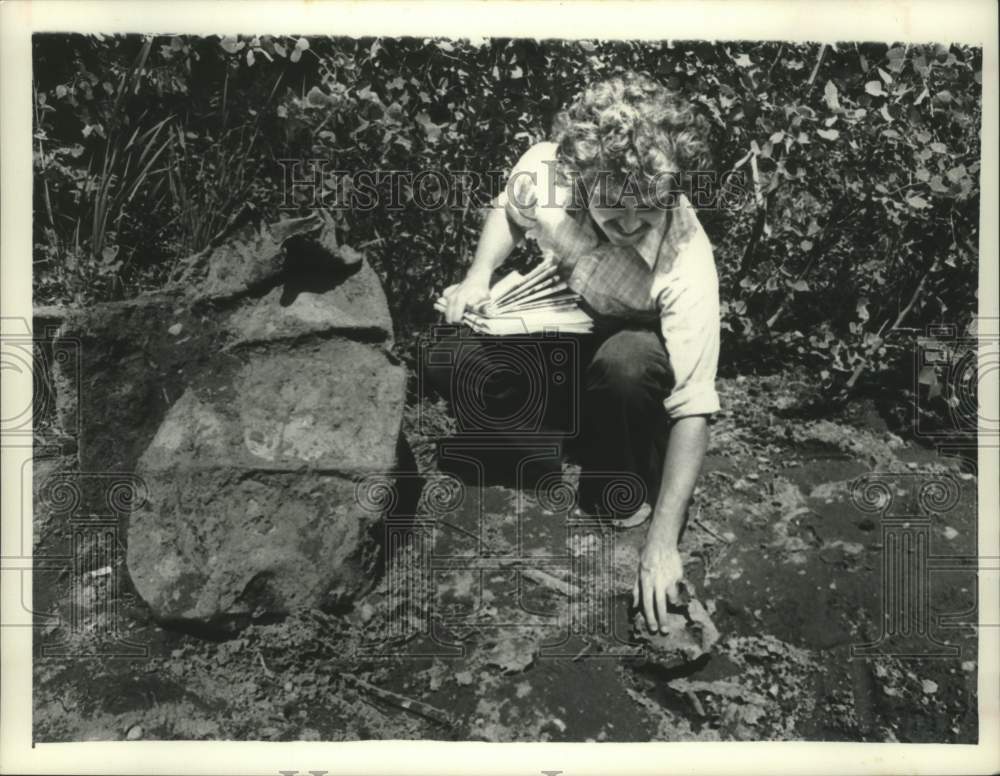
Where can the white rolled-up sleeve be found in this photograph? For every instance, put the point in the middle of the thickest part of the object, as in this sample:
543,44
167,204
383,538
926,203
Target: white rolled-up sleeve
688,302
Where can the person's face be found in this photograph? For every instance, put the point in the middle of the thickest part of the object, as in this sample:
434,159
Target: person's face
626,219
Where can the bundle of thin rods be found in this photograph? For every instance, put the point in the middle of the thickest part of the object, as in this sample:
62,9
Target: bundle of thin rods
539,300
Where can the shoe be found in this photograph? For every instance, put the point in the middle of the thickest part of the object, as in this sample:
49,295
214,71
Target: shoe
640,516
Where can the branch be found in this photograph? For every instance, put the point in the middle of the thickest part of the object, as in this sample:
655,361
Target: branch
879,340
821,246
425,710
777,56
815,70
755,233
826,239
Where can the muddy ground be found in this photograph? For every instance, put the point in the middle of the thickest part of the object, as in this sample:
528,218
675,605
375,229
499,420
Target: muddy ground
526,634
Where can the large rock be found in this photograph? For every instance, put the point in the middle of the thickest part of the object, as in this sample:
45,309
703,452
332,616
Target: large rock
137,357
252,494
250,397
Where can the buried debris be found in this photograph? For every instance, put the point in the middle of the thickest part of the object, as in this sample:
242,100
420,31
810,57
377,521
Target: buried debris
690,634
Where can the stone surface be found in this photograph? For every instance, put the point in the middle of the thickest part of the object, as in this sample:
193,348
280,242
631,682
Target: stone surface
250,398
217,545
256,253
354,306
287,410
251,504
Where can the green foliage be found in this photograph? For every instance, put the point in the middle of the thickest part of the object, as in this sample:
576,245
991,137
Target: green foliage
860,165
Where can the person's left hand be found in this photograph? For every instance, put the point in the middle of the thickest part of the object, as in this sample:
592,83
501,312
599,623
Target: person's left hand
657,581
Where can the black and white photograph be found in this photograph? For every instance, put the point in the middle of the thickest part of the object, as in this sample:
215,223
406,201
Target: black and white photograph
564,388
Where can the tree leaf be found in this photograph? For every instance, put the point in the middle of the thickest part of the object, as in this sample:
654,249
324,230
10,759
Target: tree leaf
917,202
831,96
928,376
828,134
897,58
937,185
955,174
874,88
231,44
317,97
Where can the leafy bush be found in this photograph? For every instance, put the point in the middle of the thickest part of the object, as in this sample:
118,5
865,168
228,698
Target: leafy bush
860,162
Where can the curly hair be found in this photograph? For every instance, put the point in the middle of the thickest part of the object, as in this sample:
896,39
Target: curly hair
629,128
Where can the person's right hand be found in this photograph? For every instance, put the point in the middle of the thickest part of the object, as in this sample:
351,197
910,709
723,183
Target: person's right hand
464,295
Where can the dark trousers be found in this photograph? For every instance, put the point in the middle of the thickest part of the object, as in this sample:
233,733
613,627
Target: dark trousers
602,393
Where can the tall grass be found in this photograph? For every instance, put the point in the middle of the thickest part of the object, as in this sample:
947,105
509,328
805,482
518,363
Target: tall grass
214,176
86,243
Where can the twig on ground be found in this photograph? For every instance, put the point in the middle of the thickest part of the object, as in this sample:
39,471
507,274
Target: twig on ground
544,578
458,528
713,562
706,529
551,582
699,709
260,659
697,521
400,701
